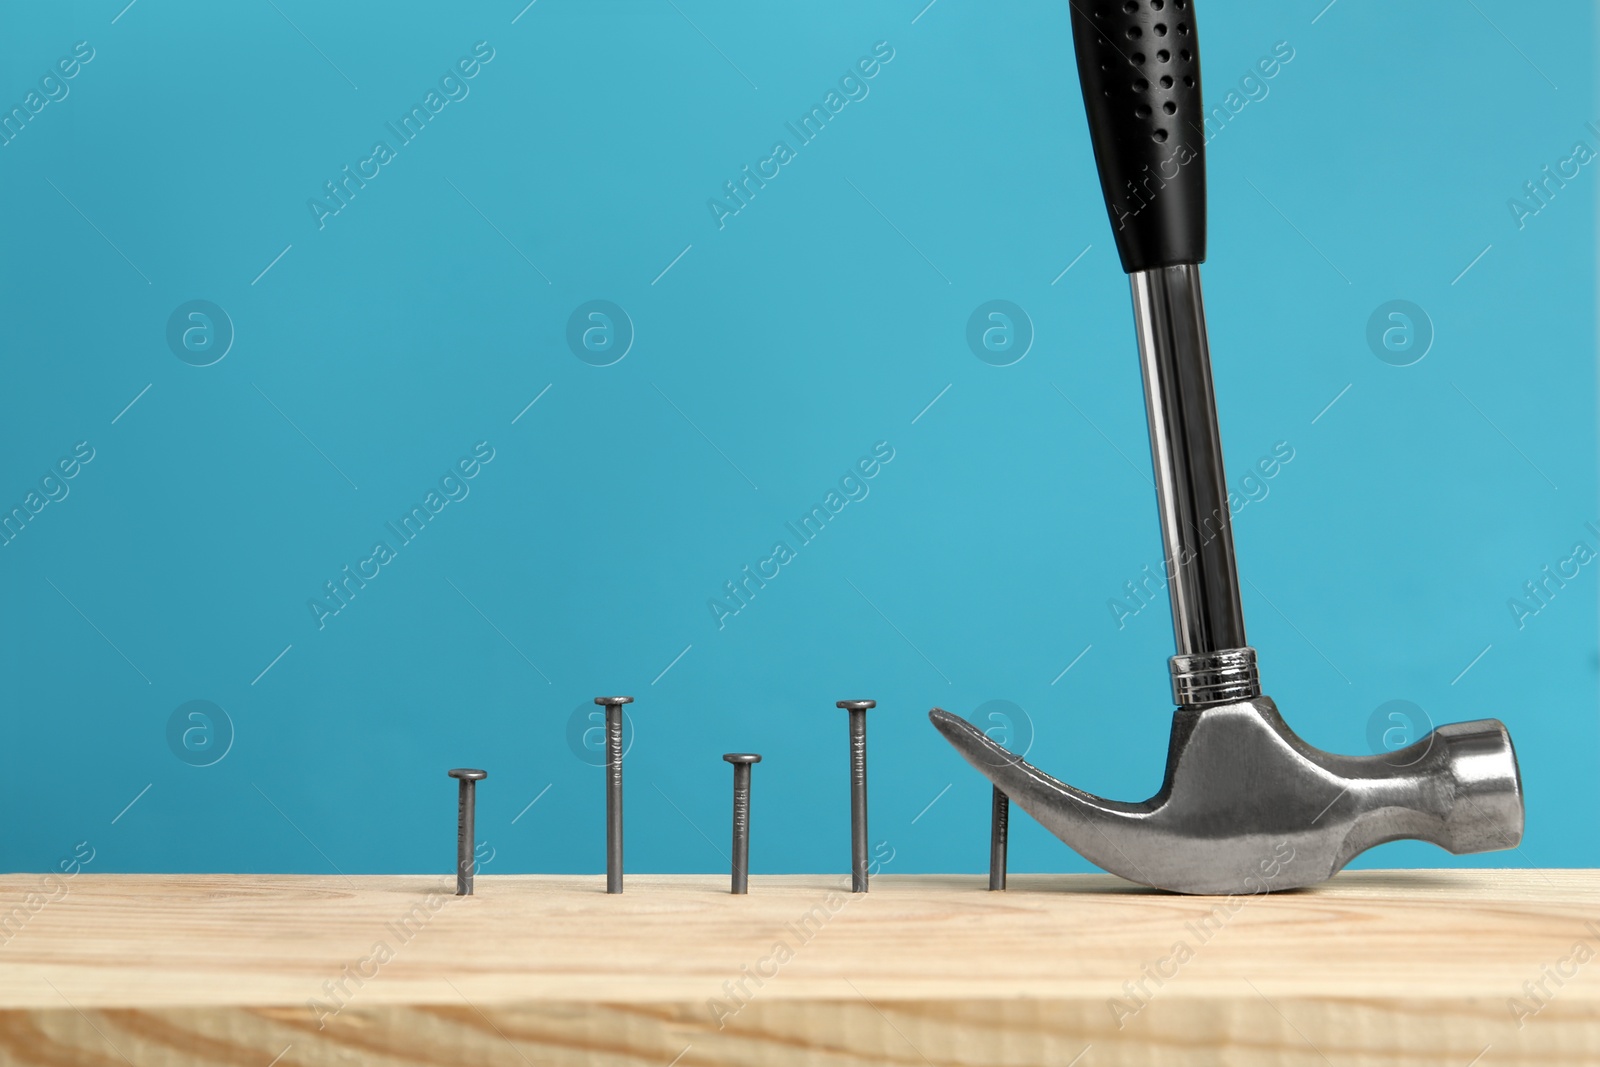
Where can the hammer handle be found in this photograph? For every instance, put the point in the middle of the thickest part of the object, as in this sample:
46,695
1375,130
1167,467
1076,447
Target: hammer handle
1139,65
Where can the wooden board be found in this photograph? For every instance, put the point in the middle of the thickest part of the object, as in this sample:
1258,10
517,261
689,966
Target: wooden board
1379,967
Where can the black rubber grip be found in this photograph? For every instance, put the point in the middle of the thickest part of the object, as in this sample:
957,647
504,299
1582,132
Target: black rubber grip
1139,64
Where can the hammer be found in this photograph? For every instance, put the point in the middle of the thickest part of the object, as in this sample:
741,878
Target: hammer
1246,805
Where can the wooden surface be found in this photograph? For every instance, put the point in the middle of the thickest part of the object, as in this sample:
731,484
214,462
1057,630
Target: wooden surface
1419,967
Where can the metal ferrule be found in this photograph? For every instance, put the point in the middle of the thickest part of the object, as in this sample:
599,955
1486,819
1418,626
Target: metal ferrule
1214,677
1191,485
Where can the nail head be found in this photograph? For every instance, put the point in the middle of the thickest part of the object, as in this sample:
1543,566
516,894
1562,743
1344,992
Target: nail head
856,705
471,774
613,701
742,757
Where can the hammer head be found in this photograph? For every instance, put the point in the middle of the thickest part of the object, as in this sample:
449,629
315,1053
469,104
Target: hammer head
1248,807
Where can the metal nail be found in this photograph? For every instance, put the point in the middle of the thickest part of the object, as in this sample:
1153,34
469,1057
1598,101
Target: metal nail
466,814
613,706
999,823
858,791
742,762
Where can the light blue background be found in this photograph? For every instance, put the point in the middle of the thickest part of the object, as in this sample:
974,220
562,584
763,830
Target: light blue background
822,319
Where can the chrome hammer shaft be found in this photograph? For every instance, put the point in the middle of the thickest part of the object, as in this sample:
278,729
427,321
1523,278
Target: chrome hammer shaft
1213,661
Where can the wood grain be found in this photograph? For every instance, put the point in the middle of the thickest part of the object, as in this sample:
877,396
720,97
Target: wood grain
1375,967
